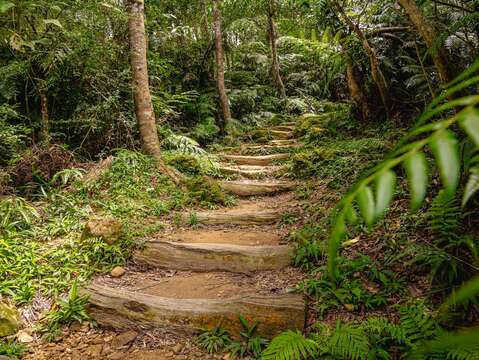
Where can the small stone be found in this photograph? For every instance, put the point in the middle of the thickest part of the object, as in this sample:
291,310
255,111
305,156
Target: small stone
227,356
124,339
117,272
96,341
177,348
76,326
9,319
116,356
24,337
95,350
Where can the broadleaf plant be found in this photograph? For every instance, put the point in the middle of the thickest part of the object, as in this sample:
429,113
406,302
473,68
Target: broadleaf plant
437,135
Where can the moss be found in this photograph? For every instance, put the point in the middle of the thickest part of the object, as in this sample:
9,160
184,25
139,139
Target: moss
9,320
185,163
205,192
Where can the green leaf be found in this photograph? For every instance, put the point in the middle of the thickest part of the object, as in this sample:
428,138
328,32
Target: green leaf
351,215
417,174
385,185
445,148
53,22
5,6
468,291
337,235
470,123
366,204
472,185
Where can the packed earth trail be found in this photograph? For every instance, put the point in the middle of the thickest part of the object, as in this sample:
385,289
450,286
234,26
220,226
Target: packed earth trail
203,271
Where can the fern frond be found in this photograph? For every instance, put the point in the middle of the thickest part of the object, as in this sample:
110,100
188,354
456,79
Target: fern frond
290,345
444,217
349,342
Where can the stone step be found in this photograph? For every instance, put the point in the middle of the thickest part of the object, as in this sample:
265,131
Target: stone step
192,302
256,188
283,142
250,171
287,128
235,217
262,160
275,134
216,250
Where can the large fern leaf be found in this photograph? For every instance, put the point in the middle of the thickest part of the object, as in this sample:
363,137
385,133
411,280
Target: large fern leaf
349,342
290,345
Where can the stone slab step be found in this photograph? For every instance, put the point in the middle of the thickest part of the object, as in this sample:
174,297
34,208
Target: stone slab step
191,303
255,160
236,217
287,128
283,142
251,171
216,250
256,188
275,134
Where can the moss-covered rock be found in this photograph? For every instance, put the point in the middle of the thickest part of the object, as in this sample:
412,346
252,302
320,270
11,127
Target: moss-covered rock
106,228
185,163
9,319
205,191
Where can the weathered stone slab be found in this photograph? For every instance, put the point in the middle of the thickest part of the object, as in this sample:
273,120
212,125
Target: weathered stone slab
214,257
125,309
246,217
256,188
256,160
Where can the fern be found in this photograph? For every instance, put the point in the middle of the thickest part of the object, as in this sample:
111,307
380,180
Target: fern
411,155
472,185
290,345
444,217
417,323
349,342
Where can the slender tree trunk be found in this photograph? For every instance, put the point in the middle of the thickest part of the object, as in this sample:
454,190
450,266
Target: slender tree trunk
45,136
274,52
143,105
376,72
357,94
429,34
220,63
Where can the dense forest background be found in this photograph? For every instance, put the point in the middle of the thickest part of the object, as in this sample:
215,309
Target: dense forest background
384,99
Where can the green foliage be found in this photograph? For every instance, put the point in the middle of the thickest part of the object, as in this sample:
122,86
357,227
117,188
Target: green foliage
443,143
205,192
12,349
250,343
290,345
12,137
214,340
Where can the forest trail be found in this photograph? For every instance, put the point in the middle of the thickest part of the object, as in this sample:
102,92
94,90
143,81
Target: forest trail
227,262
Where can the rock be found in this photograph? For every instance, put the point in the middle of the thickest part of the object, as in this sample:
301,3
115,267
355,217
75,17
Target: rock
76,326
95,350
108,229
5,358
177,348
116,356
24,337
9,320
124,339
117,272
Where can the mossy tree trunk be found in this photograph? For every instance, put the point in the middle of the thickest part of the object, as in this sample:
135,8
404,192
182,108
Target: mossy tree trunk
272,37
143,106
429,34
220,62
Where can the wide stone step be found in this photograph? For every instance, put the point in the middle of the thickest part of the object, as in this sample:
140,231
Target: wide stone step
190,303
287,128
250,171
236,217
283,142
256,188
255,160
275,134
216,250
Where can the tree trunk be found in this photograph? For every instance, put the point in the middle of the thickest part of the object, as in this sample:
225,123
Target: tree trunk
45,135
357,94
204,23
376,72
220,63
274,53
429,34
143,105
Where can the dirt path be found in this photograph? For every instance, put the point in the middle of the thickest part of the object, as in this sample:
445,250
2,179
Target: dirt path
233,261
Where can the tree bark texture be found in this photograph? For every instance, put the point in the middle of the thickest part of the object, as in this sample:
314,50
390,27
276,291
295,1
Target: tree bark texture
272,36
376,73
45,136
357,94
429,34
142,97
220,62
